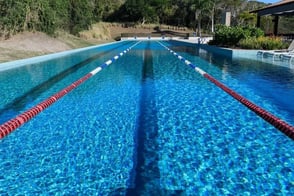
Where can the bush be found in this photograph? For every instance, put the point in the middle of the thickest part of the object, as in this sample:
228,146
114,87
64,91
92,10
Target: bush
231,36
245,37
265,43
254,32
250,43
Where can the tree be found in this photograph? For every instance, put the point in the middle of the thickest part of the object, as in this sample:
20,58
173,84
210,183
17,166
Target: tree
200,7
46,17
215,6
11,17
247,19
77,15
80,16
181,13
163,9
61,13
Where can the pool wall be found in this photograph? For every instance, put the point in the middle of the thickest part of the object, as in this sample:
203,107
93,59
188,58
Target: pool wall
227,52
238,54
38,59
232,53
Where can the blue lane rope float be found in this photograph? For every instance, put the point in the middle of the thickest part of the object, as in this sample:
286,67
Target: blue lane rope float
19,120
281,125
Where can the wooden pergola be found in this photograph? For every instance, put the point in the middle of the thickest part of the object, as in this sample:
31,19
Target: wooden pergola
281,8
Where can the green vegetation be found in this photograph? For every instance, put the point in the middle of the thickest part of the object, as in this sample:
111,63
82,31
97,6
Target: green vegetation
245,37
231,36
78,16
50,16
266,43
75,16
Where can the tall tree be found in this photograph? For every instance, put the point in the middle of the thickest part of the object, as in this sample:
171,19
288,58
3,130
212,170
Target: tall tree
12,15
81,15
163,9
61,13
46,17
181,11
215,5
247,19
200,8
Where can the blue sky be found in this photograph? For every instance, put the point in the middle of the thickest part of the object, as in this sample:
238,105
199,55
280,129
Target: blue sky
269,1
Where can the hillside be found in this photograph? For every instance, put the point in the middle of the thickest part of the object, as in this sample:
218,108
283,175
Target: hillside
29,44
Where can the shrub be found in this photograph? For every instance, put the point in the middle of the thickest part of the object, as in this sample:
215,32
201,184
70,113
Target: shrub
245,37
231,36
249,43
255,32
265,43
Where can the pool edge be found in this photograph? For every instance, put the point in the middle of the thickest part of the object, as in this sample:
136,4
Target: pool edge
37,59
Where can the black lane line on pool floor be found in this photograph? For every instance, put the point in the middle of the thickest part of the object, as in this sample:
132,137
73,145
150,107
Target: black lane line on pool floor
20,102
146,172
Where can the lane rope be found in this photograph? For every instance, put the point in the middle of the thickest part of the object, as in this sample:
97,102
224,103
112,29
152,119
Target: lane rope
19,120
281,125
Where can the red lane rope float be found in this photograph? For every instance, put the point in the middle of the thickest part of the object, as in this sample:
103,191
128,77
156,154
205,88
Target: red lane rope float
19,120
267,116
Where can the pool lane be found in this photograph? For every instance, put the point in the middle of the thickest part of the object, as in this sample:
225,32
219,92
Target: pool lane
19,120
19,103
281,125
146,172
84,143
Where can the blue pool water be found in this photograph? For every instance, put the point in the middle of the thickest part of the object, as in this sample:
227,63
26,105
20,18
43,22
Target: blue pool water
147,125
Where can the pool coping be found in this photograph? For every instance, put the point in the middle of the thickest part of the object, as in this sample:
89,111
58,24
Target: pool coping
238,54
226,52
38,59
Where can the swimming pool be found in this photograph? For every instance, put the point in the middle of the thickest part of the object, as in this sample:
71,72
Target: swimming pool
147,124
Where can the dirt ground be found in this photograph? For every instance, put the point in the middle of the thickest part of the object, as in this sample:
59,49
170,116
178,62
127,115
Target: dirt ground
29,44
116,30
38,42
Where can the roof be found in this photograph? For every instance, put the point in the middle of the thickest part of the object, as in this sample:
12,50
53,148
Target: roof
285,7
